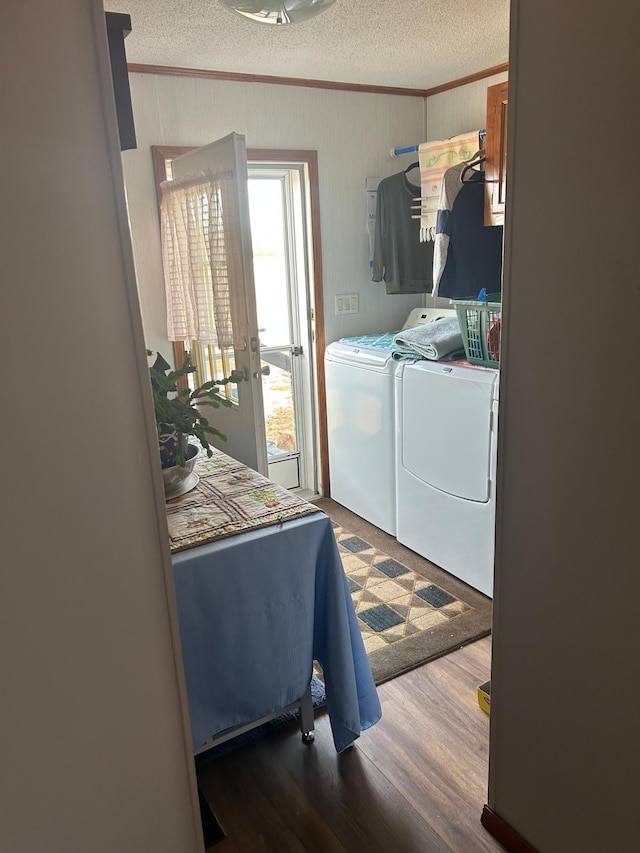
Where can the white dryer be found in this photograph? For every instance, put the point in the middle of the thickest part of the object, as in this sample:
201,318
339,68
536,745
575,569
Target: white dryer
360,376
447,417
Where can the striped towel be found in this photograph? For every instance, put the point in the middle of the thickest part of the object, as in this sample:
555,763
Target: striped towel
434,159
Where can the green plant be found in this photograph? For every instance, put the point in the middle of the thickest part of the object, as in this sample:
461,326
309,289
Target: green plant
180,410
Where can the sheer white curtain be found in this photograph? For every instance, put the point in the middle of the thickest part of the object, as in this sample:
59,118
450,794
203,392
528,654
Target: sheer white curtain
202,262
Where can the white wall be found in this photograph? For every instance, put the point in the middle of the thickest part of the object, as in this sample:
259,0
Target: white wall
460,110
352,132
92,742
565,749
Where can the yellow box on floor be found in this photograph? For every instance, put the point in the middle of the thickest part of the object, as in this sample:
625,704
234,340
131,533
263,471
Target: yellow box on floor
484,696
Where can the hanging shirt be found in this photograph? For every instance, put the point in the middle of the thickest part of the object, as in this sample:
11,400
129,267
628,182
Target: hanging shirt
399,258
451,186
474,254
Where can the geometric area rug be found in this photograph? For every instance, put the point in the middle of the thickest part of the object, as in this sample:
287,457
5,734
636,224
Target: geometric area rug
409,610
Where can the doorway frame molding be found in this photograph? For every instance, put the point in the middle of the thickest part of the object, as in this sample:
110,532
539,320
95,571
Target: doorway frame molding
161,153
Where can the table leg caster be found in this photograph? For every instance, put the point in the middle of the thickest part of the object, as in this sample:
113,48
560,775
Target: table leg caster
308,737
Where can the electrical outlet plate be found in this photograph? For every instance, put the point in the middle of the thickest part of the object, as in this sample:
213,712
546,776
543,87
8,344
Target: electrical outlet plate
346,303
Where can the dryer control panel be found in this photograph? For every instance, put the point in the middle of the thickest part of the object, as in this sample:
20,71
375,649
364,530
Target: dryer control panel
420,316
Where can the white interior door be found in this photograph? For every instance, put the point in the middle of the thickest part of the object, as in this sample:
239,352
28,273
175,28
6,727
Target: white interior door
243,423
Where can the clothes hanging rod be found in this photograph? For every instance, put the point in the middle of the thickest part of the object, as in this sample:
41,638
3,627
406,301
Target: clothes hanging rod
395,152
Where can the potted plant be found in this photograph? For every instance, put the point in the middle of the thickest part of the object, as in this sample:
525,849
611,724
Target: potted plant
178,412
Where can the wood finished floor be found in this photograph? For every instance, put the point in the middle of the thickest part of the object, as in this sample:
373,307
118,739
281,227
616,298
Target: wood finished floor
414,783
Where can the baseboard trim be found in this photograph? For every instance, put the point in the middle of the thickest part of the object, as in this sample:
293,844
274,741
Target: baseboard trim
505,834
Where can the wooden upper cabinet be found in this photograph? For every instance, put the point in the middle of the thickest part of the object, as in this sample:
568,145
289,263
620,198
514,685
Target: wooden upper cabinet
496,154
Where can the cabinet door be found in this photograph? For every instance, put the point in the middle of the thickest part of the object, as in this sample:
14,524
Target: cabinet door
496,153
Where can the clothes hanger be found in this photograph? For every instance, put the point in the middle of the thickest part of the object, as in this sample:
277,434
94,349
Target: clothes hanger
415,165
478,158
480,153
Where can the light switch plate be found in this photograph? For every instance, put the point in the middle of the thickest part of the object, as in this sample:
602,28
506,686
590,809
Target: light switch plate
347,303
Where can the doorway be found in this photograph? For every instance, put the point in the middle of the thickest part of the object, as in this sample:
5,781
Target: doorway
292,336
278,207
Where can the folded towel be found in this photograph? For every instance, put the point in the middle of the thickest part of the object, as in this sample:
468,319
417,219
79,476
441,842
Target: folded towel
434,159
437,340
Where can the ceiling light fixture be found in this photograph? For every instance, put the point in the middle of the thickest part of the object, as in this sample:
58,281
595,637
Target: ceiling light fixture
277,11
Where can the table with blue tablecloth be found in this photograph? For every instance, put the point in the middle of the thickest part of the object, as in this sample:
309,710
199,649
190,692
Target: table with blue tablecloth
258,601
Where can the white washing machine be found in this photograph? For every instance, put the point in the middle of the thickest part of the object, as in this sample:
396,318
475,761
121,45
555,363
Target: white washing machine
447,417
360,378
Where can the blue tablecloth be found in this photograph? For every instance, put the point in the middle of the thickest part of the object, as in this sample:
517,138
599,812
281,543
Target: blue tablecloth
255,610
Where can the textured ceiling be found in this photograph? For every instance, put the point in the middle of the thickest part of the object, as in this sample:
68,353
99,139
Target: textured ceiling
408,43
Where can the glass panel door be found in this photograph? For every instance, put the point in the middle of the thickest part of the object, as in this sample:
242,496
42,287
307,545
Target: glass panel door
278,229
283,452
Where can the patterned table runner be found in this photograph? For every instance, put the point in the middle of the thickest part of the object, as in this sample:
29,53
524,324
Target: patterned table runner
229,498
